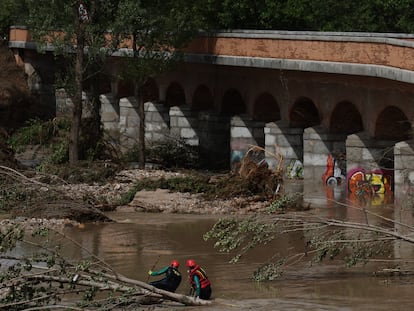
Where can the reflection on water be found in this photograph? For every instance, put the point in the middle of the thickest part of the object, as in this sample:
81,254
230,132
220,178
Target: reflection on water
137,242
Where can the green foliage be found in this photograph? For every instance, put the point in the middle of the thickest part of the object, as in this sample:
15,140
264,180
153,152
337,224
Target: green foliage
321,242
292,201
9,195
316,15
60,153
9,237
185,17
49,134
38,132
231,234
12,12
82,172
326,244
171,153
160,29
53,135
20,294
269,272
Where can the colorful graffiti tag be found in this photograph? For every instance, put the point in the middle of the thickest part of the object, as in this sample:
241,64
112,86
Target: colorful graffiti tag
333,175
373,186
295,170
363,187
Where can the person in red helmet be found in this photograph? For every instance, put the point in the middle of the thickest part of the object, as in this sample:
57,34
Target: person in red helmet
172,277
198,280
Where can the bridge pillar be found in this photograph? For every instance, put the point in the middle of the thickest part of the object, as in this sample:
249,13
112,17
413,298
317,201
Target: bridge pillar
245,133
157,122
184,124
370,163
286,141
318,145
214,135
403,194
128,123
63,103
364,152
403,169
109,112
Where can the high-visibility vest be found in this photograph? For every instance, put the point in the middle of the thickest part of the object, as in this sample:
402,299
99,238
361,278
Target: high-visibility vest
204,281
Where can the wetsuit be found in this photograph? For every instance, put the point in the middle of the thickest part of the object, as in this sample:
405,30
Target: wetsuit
200,283
170,282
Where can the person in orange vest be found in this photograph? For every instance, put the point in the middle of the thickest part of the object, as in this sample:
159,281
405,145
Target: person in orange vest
172,277
198,280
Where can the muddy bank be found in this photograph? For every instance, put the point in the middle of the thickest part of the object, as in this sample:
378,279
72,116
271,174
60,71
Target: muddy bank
53,198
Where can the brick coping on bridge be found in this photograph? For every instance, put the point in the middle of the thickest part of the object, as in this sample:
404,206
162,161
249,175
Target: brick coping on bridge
313,51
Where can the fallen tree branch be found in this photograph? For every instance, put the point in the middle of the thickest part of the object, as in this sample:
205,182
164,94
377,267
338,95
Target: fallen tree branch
140,288
17,175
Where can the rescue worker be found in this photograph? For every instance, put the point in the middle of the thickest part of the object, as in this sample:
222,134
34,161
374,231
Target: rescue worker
172,277
198,280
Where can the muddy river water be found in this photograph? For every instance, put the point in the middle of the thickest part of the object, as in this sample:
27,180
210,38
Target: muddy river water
137,242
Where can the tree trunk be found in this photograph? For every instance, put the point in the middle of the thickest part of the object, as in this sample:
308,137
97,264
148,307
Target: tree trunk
77,96
141,130
141,111
95,129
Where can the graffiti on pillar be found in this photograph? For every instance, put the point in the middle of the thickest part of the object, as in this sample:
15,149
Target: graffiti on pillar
295,169
334,174
374,187
237,156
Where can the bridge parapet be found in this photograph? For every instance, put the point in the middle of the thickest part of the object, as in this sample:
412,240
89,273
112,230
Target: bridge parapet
326,47
389,56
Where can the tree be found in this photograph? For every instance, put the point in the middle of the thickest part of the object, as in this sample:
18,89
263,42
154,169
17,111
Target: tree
158,30
311,15
75,29
12,12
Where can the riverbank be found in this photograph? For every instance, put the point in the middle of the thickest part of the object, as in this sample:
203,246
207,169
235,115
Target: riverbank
51,197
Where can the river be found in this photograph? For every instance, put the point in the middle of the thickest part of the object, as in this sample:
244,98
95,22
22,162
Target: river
137,242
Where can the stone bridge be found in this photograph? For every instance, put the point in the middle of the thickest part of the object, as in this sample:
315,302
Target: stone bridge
335,107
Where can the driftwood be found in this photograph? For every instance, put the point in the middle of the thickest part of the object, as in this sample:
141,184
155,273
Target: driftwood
122,284
138,291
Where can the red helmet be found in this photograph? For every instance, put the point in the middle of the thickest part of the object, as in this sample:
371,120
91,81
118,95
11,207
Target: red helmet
190,263
175,264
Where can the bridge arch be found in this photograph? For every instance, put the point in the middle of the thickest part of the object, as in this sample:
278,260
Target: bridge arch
266,108
392,124
202,99
232,103
175,95
304,113
101,81
345,119
150,91
125,88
